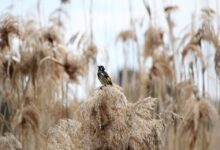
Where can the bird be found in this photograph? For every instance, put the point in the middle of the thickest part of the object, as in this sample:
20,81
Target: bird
103,76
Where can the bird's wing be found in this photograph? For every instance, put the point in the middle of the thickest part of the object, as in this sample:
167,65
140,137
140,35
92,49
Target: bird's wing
107,77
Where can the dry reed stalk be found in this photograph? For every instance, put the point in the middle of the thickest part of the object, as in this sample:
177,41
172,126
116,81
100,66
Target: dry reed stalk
217,62
9,142
127,36
168,11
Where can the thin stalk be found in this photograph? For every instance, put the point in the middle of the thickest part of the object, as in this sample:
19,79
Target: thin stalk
91,21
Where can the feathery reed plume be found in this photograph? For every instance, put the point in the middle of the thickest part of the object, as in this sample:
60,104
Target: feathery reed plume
168,10
208,14
26,124
199,127
209,34
207,27
30,62
51,36
184,91
90,52
153,40
35,61
59,136
196,49
162,67
127,35
9,142
29,119
65,1
73,67
108,121
8,27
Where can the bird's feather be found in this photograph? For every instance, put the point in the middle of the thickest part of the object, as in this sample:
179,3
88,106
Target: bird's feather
104,77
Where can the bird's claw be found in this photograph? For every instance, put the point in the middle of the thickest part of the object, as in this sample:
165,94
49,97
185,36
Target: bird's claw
102,86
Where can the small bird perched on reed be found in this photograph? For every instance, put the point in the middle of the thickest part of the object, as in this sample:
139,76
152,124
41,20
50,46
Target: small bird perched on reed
103,76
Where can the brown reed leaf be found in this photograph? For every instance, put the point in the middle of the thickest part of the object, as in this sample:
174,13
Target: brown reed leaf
144,108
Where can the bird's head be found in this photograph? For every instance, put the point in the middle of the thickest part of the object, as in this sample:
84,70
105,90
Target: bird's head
101,68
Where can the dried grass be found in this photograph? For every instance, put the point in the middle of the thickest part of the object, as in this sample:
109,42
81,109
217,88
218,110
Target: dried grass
9,142
8,27
34,87
200,124
108,121
51,36
162,67
153,40
59,136
73,67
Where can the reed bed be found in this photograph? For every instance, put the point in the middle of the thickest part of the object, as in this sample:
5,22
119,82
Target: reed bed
166,106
